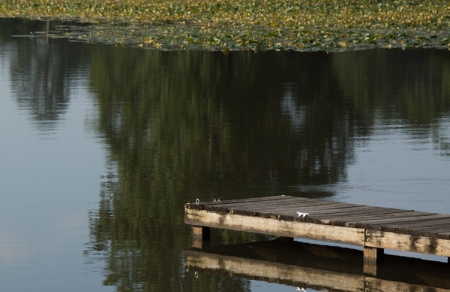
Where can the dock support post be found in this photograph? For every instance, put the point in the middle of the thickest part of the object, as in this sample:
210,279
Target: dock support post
372,257
199,235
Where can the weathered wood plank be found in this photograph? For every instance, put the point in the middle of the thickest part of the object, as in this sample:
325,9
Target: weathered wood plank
406,217
417,231
405,242
356,211
361,215
288,202
414,216
329,208
426,221
224,203
444,229
411,232
425,227
277,227
256,200
263,208
258,207
359,220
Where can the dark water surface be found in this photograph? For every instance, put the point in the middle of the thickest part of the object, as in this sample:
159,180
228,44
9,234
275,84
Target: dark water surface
101,147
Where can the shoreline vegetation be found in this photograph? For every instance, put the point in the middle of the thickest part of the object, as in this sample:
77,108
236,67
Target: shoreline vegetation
260,25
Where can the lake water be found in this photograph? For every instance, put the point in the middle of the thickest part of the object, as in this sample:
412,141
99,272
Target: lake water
101,147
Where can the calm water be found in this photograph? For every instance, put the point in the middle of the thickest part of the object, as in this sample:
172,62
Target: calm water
101,147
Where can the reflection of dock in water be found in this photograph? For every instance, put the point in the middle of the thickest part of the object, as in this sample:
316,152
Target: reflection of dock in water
318,267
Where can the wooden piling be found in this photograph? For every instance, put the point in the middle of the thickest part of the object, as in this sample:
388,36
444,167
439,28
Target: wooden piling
200,235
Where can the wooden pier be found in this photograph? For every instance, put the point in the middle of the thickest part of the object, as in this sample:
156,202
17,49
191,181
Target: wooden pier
374,228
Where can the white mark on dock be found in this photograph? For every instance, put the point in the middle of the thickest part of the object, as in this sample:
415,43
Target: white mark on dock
300,214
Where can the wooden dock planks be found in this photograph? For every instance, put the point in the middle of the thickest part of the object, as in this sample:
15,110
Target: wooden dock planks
371,227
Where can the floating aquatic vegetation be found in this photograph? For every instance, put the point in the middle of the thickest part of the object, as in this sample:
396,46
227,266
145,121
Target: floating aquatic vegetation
298,25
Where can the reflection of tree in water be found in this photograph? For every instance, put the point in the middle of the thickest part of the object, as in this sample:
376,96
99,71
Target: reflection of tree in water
290,127
409,88
41,73
39,83
182,125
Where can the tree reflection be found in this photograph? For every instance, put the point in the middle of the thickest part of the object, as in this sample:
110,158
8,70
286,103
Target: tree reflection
409,87
41,73
182,125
